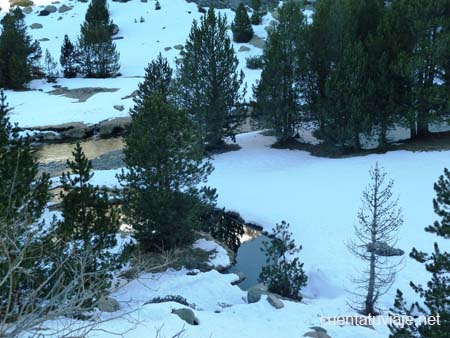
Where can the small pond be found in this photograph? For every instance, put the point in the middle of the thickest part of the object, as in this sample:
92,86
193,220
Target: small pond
250,261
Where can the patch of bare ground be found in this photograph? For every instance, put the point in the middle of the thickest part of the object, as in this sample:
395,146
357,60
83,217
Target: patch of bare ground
81,94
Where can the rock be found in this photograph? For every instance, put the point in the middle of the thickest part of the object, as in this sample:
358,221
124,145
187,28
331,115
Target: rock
316,334
50,9
114,127
187,315
49,136
108,304
44,13
44,39
244,49
64,8
144,0
241,278
383,249
36,26
119,107
167,49
27,10
83,1
114,29
255,292
275,302
178,47
257,42
318,329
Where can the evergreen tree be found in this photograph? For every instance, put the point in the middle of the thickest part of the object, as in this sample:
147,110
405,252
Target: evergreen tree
209,82
257,14
278,94
97,54
435,296
283,274
19,54
98,13
348,93
21,190
23,196
89,221
379,220
424,62
241,26
68,59
163,158
50,67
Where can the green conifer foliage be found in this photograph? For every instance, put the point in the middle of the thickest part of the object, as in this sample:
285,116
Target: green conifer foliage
241,26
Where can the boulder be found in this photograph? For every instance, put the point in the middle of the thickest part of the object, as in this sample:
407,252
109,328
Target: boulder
36,26
384,249
77,132
64,8
114,126
119,107
27,10
167,49
50,9
244,49
49,136
275,302
114,29
108,304
44,39
241,278
44,13
178,47
187,315
255,292
316,334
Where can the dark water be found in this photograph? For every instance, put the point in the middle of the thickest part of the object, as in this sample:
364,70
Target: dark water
250,260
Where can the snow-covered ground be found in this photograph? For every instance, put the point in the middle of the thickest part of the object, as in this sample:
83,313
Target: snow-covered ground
140,43
320,198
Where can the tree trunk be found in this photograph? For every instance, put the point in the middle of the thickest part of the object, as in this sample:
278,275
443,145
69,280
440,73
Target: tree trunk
422,124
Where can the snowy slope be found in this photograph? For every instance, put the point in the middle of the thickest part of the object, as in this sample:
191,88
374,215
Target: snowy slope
141,43
320,198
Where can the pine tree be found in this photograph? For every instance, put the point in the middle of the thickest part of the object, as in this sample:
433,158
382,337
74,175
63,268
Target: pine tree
435,296
283,273
50,67
257,14
279,92
163,158
379,220
97,54
89,222
209,83
21,190
241,26
424,62
23,196
68,59
348,93
19,54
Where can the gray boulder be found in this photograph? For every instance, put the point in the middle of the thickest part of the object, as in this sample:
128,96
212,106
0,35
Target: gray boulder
64,8
27,10
108,304
114,127
187,315
275,302
44,13
255,292
241,278
384,249
78,131
36,26
243,49
316,334
50,9
114,29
